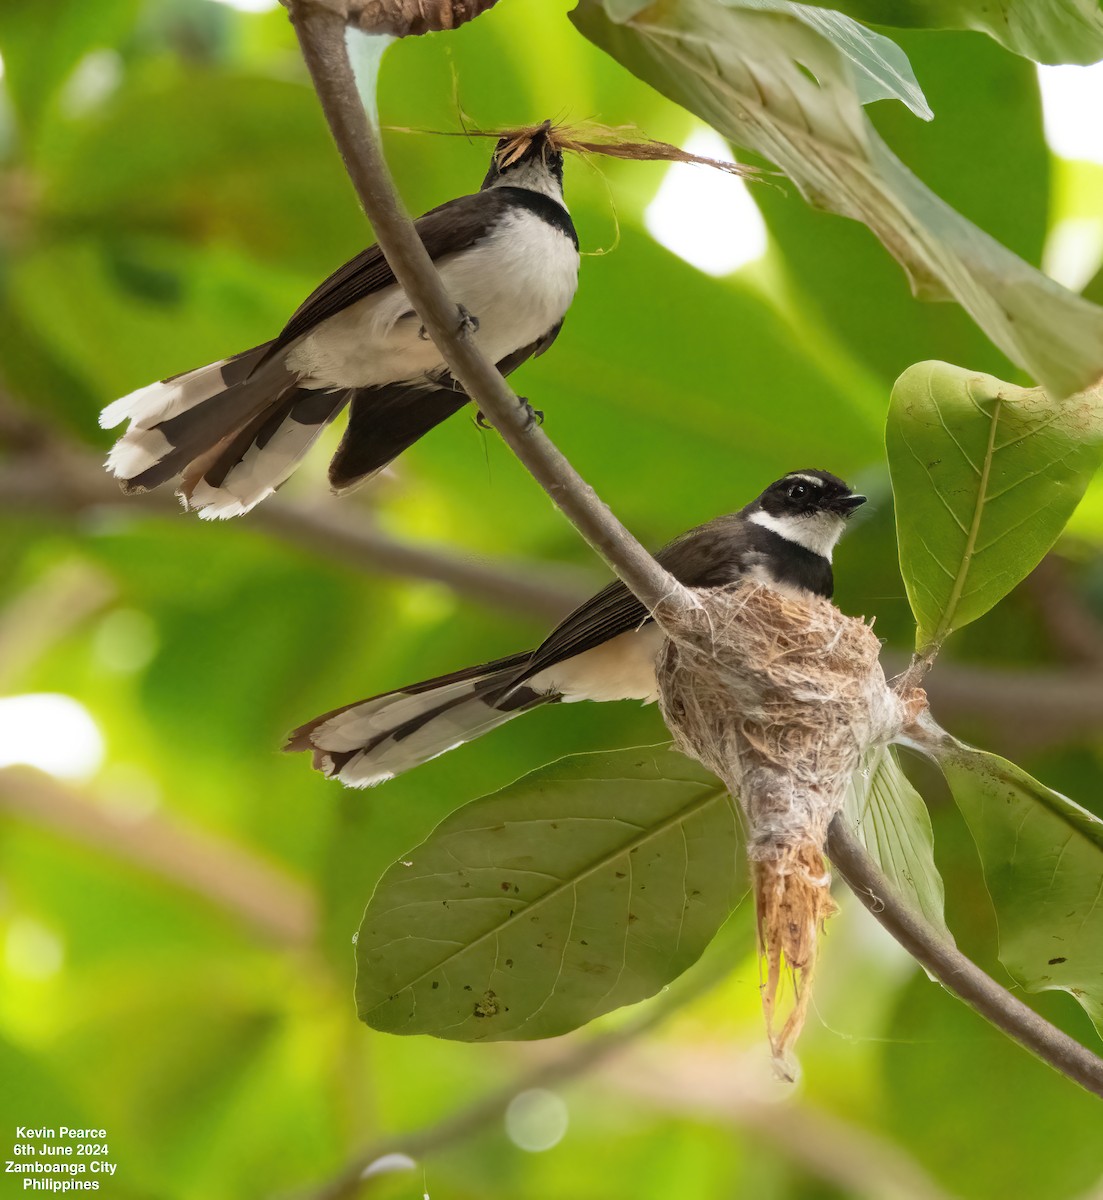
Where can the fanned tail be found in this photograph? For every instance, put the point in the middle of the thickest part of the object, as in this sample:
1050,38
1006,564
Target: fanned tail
253,461
373,740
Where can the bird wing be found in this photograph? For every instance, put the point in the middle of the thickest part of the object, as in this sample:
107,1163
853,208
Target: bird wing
709,556
451,227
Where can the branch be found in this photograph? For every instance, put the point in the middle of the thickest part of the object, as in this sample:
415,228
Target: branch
956,972
57,477
234,879
403,18
340,534
321,34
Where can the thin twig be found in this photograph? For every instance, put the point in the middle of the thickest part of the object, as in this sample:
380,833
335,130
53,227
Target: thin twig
237,880
57,477
321,34
956,972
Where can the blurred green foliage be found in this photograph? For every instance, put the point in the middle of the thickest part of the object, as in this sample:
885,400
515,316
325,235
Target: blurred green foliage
168,194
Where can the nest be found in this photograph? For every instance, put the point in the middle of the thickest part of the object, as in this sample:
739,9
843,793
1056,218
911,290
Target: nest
779,697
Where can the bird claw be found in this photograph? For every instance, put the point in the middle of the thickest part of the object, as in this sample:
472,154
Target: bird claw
468,325
533,416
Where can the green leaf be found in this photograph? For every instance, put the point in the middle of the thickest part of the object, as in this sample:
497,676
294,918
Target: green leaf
985,1119
584,886
985,476
1048,31
772,84
881,69
43,40
1042,856
892,822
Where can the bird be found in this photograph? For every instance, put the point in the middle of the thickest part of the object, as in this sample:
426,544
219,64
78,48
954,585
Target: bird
605,650
235,430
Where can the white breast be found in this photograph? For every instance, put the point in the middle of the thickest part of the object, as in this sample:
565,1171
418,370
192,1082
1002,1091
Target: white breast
518,282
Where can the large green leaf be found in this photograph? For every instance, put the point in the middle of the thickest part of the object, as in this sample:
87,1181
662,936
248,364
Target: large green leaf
892,822
584,886
985,476
774,85
1048,31
1043,862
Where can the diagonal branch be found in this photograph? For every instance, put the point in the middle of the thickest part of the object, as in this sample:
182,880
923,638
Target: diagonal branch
954,971
53,476
321,34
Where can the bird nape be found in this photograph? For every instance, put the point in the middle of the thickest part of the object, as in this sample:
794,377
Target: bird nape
232,432
605,650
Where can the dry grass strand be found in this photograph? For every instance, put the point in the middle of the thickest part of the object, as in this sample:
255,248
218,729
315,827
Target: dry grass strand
611,141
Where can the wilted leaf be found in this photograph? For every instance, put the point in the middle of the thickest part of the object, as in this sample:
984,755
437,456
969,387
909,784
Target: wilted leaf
881,68
1043,862
985,476
586,885
892,822
1048,31
770,83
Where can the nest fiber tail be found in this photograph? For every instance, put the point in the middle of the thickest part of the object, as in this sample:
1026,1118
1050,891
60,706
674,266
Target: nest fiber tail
780,697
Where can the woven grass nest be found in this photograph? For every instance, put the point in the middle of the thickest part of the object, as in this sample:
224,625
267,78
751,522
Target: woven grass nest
780,697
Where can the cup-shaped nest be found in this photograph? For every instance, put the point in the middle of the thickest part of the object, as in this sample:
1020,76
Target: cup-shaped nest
780,696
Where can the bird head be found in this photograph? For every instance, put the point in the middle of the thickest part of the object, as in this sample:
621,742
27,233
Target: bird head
808,507
528,158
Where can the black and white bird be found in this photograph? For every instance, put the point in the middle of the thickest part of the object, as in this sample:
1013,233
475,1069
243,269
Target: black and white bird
605,650
235,430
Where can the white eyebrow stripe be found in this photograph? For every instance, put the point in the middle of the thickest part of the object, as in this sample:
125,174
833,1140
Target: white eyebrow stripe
806,479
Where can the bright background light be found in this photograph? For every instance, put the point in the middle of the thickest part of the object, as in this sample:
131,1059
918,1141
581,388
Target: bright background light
32,951
536,1120
706,217
253,6
52,732
1072,110
1072,114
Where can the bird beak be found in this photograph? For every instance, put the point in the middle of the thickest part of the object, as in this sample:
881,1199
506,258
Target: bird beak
847,506
538,142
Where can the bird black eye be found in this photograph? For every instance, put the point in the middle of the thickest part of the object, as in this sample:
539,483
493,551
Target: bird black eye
798,491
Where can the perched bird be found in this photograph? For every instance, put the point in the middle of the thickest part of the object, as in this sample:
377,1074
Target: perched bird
605,650
235,430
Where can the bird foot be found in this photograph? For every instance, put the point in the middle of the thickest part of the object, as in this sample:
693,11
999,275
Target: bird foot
468,325
533,416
